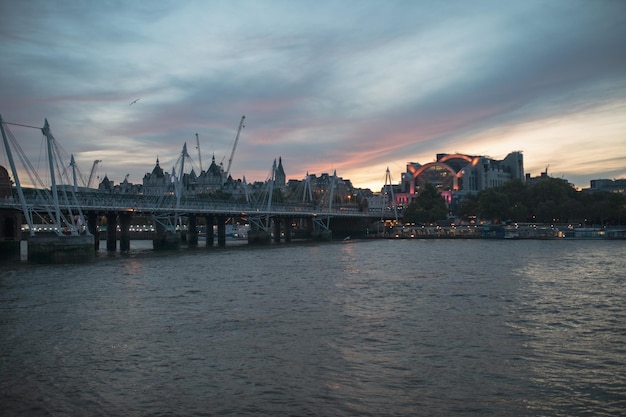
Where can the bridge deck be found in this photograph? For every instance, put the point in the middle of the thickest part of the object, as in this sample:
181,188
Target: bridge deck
100,202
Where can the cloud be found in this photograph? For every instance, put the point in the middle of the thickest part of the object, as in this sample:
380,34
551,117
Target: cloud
353,86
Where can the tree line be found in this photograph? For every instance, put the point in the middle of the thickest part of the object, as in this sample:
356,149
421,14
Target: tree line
547,200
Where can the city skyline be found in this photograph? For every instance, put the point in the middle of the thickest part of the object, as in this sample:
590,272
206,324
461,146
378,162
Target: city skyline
354,87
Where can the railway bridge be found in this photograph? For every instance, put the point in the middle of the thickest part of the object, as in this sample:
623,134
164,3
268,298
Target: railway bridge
63,221
175,221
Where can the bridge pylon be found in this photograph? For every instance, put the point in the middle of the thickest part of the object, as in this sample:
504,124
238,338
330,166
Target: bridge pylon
67,238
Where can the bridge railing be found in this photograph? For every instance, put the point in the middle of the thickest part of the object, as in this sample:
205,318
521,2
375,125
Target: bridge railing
193,205
157,204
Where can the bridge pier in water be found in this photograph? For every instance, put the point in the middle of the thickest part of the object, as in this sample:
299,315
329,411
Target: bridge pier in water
10,235
277,229
92,226
53,248
221,231
322,234
259,233
164,239
125,218
211,220
210,236
111,231
192,231
288,221
282,229
317,232
10,222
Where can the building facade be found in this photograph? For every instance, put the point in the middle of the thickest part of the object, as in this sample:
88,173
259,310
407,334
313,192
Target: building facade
456,175
612,186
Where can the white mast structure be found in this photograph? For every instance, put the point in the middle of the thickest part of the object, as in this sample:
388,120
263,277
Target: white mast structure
179,186
388,188
69,219
307,192
16,178
270,185
57,212
53,184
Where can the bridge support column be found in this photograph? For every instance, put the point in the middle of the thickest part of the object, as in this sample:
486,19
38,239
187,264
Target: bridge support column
323,235
192,231
277,221
163,239
221,231
124,231
259,232
57,249
288,221
111,231
210,237
10,222
92,225
10,235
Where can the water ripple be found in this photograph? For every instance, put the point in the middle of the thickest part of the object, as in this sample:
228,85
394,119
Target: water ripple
373,328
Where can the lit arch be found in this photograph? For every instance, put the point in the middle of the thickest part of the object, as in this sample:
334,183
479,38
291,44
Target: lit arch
473,160
450,182
456,156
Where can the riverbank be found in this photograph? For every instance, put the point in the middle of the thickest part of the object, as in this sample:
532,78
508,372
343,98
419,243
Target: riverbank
505,232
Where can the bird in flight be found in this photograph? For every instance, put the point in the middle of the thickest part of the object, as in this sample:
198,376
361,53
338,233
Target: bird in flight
134,101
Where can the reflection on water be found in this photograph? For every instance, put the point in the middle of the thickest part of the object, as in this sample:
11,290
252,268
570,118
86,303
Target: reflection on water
368,328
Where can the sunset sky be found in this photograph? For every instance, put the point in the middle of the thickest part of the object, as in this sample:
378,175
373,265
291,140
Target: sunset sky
353,86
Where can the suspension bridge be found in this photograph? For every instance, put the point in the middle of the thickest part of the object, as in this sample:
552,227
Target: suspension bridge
75,214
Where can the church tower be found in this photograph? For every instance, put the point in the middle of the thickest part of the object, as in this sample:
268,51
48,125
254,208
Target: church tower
280,180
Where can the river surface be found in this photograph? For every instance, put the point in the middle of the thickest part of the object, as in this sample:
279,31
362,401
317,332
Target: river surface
368,328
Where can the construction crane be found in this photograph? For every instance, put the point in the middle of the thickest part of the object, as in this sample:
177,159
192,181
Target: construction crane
93,170
232,154
199,154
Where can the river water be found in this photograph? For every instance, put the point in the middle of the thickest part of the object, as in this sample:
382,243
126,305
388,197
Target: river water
368,328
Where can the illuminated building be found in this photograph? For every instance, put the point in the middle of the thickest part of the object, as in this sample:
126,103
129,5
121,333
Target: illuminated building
456,175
